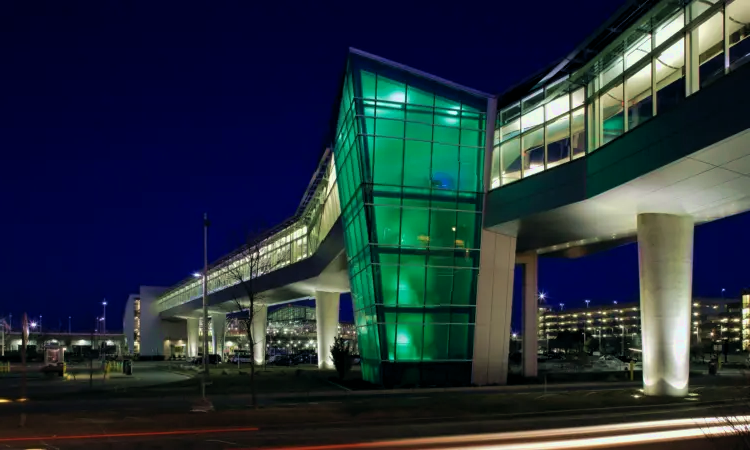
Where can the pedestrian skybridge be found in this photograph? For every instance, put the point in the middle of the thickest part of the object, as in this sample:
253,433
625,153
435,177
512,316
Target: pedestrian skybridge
289,243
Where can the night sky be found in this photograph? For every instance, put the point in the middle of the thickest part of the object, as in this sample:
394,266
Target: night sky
122,122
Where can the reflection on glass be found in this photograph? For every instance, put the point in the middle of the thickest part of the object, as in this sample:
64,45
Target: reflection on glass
495,170
612,114
670,76
578,133
533,118
533,152
637,51
510,161
612,71
577,98
510,130
738,29
669,28
640,103
711,48
558,141
558,106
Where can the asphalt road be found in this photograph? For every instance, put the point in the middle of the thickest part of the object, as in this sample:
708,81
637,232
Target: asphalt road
694,428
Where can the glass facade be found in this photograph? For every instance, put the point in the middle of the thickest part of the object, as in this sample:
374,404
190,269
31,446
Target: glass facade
672,52
410,168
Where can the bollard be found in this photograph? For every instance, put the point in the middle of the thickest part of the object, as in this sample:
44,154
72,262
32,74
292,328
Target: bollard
718,368
632,368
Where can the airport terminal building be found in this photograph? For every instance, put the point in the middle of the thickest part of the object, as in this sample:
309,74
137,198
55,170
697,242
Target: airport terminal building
429,194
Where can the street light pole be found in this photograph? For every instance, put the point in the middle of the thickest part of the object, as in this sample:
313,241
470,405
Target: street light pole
69,327
205,293
104,316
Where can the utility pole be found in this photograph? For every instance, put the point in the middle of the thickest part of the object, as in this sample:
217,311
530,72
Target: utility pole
205,294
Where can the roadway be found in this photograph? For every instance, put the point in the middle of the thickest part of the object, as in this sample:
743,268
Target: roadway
696,427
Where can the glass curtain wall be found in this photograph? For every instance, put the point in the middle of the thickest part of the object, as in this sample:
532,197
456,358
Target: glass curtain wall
673,52
410,167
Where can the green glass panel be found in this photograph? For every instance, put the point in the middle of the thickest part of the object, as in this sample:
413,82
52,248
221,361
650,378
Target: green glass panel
439,286
442,228
435,342
368,84
420,114
459,342
417,160
472,138
468,169
441,102
416,96
387,222
444,166
389,128
390,334
390,284
409,340
411,283
463,284
391,90
389,161
466,229
447,118
418,131
414,226
446,135
390,110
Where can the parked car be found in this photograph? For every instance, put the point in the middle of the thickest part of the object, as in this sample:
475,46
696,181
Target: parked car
212,359
284,361
241,356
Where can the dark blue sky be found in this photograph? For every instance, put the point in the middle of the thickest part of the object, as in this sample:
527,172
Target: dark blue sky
122,122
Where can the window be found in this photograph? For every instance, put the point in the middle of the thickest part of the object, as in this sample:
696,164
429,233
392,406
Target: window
510,161
639,100
533,152
612,114
738,29
578,133
558,141
710,38
670,76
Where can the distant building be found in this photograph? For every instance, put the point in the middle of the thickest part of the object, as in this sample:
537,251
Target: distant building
618,325
291,328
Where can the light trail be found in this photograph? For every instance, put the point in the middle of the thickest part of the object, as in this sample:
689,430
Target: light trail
127,435
686,429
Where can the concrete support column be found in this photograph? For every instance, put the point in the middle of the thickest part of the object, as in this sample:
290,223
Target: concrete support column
327,324
494,306
218,327
530,313
665,261
193,342
258,333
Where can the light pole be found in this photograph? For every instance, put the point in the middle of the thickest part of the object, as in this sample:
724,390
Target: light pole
69,327
587,303
104,316
205,293
40,323
562,306
622,350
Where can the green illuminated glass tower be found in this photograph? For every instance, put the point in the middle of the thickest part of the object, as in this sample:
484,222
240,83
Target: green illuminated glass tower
409,156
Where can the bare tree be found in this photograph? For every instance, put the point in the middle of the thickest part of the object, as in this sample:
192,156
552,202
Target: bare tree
254,260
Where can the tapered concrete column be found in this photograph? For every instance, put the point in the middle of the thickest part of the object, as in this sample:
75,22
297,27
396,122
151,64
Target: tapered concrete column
497,262
193,340
665,261
219,327
530,313
327,324
258,333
